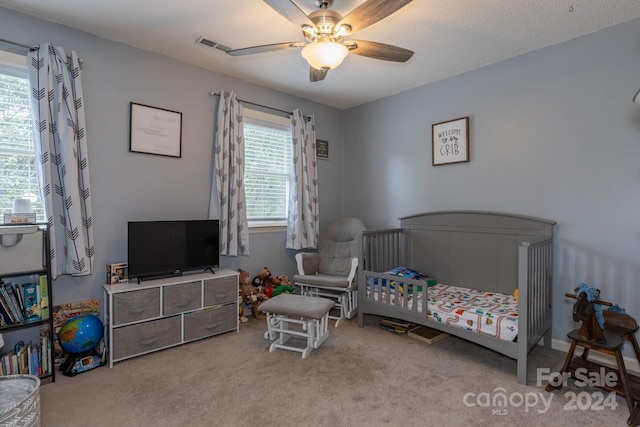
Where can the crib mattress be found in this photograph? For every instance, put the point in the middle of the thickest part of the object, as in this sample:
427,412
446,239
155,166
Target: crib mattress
487,313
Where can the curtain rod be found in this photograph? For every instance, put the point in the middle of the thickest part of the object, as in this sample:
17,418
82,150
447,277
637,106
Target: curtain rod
263,106
31,48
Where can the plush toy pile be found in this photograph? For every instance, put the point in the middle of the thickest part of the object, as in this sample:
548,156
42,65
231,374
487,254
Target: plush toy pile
262,287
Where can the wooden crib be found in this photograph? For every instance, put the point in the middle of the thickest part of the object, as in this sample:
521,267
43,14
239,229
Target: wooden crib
487,251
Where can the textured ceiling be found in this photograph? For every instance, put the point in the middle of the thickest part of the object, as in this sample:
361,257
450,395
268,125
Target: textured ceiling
448,37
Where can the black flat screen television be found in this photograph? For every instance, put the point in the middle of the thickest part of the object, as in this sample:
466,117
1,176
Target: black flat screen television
166,248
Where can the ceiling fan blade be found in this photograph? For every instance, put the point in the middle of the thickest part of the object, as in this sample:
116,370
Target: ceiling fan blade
290,11
370,12
264,48
376,50
316,75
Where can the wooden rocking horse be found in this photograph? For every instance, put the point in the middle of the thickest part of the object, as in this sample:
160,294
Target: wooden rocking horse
608,339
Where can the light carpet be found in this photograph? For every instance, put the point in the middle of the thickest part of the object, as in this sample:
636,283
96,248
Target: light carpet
360,376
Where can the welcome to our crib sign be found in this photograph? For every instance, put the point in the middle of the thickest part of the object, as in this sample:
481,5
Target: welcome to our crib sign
450,141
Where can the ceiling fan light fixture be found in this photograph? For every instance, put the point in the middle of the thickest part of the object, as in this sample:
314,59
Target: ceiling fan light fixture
327,55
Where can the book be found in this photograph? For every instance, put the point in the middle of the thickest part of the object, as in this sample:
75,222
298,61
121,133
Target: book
18,293
396,323
34,360
10,297
5,312
47,358
389,328
45,347
23,359
12,362
427,335
30,301
5,302
44,297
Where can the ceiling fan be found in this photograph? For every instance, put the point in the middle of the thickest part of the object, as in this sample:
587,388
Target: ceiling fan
324,30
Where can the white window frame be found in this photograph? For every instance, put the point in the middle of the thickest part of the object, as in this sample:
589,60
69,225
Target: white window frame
266,119
16,65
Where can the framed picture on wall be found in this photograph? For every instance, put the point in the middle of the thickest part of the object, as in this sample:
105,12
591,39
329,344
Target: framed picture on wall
155,131
322,149
450,141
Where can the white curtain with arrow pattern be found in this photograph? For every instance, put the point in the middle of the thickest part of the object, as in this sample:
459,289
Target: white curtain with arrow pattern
302,223
62,158
229,177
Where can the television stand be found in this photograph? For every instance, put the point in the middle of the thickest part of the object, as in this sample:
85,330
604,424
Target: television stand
158,314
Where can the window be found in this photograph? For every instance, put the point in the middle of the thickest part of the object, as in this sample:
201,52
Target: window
18,172
268,158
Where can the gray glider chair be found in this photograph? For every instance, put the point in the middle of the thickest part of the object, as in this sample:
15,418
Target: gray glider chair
331,271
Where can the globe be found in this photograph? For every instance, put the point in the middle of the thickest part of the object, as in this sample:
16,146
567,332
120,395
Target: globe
80,334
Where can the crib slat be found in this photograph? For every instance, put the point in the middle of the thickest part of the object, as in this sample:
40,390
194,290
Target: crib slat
538,289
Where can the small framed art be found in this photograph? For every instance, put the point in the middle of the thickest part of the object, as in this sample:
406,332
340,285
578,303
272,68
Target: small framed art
322,149
450,141
155,131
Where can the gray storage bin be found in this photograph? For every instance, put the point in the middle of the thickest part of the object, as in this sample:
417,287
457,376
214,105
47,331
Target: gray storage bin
21,248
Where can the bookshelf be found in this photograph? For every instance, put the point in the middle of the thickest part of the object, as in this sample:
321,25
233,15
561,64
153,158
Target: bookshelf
28,335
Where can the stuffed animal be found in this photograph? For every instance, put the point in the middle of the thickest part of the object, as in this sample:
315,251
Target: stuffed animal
267,279
283,280
241,315
283,289
246,289
257,282
257,299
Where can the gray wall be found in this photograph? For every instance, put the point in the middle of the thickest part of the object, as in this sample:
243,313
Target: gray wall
553,134
132,186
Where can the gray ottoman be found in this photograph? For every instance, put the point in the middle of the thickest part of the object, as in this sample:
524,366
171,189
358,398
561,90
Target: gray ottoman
311,313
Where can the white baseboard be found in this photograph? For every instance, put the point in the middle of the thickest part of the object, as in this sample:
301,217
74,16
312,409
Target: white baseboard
631,364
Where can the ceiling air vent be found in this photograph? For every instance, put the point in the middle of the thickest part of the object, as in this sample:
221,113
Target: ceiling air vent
211,43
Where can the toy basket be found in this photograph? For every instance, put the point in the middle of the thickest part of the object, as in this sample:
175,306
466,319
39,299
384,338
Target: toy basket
20,400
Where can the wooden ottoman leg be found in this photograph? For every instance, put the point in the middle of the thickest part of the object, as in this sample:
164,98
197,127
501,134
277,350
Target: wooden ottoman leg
309,326
322,330
272,322
282,328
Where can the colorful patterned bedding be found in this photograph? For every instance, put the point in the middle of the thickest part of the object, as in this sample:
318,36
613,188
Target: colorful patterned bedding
487,313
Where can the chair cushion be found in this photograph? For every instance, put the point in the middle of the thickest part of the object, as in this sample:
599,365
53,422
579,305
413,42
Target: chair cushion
338,244
321,280
310,261
297,305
